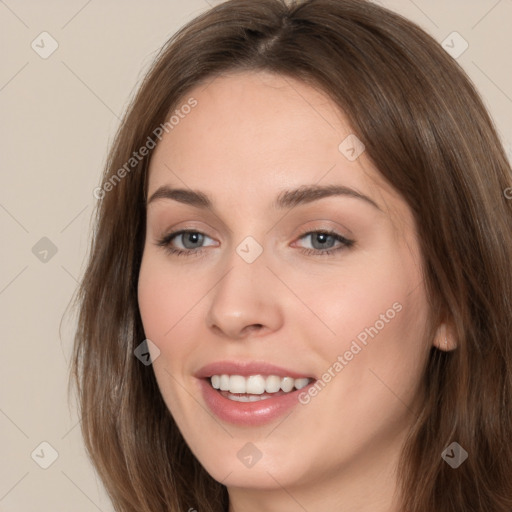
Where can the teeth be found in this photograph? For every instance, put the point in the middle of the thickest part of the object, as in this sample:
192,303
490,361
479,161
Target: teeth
287,384
255,385
301,383
224,382
247,398
216,381
236,384
272,384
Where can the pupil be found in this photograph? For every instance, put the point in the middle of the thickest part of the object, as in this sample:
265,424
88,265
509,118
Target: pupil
191,239
322,239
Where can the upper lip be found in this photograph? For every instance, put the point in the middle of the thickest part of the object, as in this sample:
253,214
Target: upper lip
247,368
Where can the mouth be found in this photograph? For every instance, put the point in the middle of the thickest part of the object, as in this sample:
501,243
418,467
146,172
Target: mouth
254,388
251,393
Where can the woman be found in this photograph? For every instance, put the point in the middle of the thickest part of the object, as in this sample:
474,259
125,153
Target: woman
304,226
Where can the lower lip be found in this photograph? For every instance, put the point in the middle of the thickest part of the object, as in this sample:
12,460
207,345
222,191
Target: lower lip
248,413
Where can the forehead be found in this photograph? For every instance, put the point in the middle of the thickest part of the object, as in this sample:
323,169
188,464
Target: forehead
259,131
258,112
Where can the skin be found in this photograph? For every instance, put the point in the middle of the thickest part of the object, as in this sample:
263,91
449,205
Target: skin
251,136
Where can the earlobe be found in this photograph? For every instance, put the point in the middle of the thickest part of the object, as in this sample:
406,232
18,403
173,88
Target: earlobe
445,338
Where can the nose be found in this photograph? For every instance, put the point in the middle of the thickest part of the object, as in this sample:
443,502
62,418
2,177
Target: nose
245,301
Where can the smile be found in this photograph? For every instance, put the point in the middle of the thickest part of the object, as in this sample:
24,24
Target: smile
255,387
250,393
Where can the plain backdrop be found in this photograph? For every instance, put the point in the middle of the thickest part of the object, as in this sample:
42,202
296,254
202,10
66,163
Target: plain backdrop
59,113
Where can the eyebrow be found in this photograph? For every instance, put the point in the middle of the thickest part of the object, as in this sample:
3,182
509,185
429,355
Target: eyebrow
286,199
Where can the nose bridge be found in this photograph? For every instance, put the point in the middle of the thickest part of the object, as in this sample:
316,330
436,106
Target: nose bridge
243,297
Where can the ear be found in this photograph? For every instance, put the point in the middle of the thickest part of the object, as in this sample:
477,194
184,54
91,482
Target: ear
445,338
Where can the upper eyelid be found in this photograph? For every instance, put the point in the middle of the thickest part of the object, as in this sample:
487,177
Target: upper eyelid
340,229
298,207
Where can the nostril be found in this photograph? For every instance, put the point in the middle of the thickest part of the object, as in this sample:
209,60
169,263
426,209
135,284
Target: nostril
254,327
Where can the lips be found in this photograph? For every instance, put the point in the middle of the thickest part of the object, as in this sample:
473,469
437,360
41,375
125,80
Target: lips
255,408
246,369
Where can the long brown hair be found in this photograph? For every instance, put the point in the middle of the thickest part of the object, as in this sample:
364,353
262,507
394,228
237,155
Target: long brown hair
427,131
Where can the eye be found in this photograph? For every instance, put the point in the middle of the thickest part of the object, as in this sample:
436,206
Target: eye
324,242
189,242
184,242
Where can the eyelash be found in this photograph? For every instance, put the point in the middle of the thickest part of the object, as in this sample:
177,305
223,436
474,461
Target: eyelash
167,239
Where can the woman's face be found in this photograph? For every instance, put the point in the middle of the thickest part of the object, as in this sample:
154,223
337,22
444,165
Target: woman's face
301,268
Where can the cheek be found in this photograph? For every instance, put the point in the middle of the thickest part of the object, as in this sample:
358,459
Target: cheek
156,301
384,342
351,294
376,310
165,297
166,305
354,299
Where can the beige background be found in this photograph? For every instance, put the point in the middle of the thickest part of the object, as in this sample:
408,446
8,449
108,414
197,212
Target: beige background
58,116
